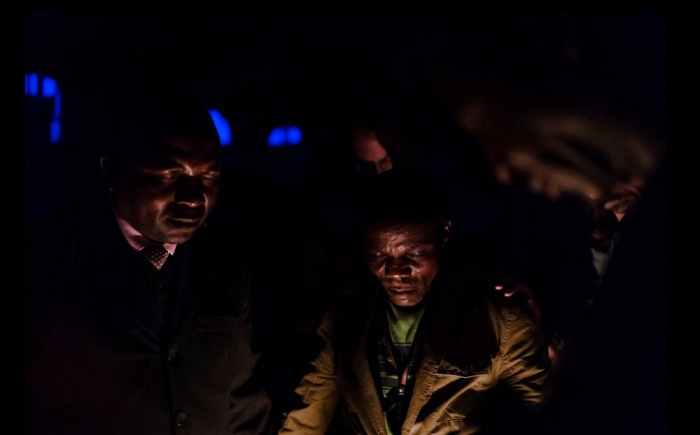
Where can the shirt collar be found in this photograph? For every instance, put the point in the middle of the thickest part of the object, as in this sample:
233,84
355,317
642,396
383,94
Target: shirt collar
137,240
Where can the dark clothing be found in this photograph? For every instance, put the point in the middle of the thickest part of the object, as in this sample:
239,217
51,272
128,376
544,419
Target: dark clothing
616,376
101,356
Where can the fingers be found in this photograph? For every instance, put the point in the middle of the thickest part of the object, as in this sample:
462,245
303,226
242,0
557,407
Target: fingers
509,287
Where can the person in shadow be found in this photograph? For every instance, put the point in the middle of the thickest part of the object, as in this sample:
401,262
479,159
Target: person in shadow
138,321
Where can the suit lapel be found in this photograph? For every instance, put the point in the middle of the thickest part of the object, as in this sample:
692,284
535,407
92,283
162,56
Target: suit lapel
191,280
113,281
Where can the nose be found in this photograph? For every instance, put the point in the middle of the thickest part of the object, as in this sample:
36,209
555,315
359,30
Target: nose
190,191
396,267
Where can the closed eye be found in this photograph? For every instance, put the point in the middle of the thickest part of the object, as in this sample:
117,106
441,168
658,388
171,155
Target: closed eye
211,175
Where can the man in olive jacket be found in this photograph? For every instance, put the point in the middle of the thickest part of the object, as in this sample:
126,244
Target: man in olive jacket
426,352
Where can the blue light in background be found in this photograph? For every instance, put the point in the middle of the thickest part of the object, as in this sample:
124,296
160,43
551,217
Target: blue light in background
276,137
55,131
293,135
284,135
31,84
48,87
57,105
222,126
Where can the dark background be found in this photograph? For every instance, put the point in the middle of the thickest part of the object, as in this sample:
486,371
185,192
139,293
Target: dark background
310,65
315,69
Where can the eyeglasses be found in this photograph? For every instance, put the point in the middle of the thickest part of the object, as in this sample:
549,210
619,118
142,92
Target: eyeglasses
374,167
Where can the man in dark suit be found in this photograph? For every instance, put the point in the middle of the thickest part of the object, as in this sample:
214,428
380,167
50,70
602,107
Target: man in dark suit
115,343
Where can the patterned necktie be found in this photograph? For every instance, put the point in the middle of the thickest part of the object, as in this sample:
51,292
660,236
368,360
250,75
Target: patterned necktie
156,254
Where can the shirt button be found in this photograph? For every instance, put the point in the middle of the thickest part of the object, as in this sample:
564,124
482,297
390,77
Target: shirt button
180,418
172,354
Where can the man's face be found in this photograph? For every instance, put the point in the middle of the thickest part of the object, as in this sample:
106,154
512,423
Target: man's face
167,193
372,157
405,257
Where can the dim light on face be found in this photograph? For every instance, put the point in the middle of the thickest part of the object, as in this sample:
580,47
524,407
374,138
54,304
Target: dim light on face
405,257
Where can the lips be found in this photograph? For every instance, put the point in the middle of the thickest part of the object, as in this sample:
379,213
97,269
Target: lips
184,222
401,297
398,296
401,292
400,287
186,217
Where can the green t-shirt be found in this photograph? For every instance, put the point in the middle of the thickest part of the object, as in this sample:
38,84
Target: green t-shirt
402,325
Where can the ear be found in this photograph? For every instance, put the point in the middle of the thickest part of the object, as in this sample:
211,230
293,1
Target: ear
446,231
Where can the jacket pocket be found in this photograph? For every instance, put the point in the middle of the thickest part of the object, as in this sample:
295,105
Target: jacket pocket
461,389
213,326
464,369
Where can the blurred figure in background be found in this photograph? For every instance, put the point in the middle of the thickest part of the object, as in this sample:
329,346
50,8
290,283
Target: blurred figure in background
581,113
372,158
604,220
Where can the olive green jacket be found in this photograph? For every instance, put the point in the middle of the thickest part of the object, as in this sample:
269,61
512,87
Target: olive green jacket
478,344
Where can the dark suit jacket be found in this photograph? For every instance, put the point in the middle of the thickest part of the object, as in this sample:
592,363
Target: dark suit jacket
101,358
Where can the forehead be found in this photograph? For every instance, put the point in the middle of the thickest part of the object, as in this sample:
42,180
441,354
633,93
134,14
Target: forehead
367,147
194,150
388,232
